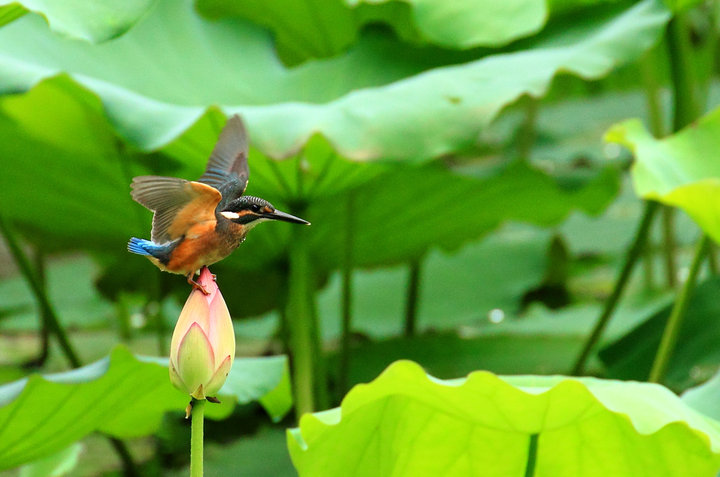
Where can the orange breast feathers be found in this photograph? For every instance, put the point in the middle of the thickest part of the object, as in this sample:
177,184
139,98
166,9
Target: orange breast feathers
202,246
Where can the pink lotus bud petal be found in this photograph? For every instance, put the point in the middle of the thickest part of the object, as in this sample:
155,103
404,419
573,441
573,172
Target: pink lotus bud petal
202,349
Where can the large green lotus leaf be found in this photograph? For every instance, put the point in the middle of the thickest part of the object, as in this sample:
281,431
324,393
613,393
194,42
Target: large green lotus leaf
159,79
121,395
64,180
318,28
406,423
696,356
11,12
94,21
682,170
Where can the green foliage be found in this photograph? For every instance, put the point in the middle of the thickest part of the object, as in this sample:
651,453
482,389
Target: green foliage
402,210
55,465
407,423
509,263
70,288
696,356
460,24
91,208
122,396
262,455
11,12
102,216
681,170
284,108
95,21
704,398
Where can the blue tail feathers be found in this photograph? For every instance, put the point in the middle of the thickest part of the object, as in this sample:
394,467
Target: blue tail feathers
162,252
145,247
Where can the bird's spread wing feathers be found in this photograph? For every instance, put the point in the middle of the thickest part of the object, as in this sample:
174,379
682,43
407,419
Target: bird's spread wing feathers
227,169
177,204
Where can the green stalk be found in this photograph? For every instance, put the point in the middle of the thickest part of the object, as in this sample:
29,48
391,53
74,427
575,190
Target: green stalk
196,438
631,256
46,309
347,270
411,300
44,325
648,265
302,326
669,245
651,84
685,101
677,315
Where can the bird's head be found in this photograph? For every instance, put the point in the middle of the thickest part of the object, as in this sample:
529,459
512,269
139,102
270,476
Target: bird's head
250,211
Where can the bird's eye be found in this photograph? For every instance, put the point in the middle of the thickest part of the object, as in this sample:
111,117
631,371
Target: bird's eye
255,208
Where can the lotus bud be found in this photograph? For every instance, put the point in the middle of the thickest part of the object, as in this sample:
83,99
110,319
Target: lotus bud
202,349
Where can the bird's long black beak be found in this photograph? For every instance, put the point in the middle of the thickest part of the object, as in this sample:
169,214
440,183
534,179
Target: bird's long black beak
277,215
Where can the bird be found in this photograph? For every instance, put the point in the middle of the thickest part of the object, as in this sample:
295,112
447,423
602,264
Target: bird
198,223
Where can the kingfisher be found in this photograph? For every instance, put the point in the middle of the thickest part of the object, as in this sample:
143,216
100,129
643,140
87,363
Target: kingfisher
198,223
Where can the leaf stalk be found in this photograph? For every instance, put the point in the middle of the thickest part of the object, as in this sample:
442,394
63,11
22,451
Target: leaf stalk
677,315
631,256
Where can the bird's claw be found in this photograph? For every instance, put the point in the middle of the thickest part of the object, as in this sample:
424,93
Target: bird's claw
197,285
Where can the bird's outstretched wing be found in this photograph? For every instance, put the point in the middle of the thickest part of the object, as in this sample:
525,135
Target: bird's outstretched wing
177,204
227,170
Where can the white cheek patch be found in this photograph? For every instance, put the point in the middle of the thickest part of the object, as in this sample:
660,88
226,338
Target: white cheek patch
230,215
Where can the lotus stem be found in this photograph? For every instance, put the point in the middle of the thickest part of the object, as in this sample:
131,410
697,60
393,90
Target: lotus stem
196,438
677,315
669,245
631,256
305,347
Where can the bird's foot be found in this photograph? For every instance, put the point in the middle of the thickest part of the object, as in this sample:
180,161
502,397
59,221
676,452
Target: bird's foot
196,285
